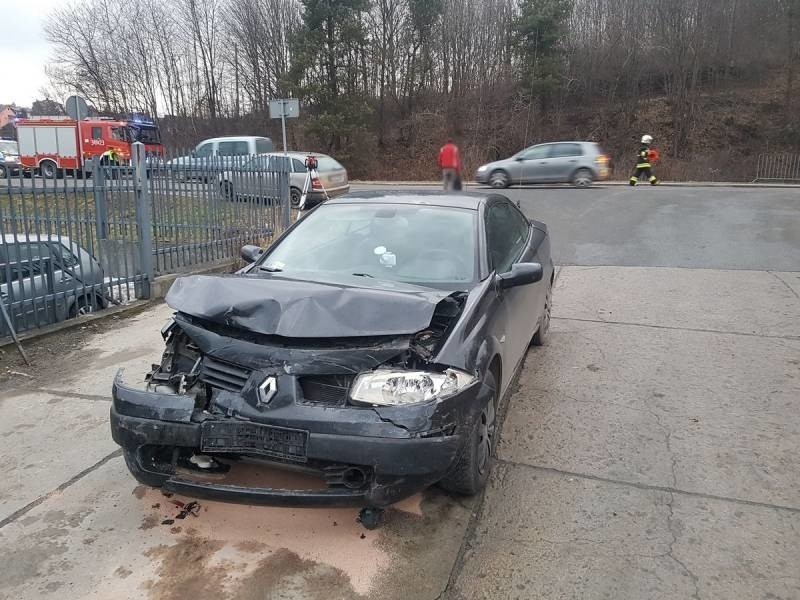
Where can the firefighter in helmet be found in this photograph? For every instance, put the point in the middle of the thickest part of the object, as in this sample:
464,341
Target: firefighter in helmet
643,159
110,158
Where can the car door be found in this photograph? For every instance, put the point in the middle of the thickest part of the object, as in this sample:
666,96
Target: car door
233,153
563,161
534,164
200,160
508,237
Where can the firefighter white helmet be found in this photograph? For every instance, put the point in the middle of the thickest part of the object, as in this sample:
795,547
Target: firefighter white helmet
646,139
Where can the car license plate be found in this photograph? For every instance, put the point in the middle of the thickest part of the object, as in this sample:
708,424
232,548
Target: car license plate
253,438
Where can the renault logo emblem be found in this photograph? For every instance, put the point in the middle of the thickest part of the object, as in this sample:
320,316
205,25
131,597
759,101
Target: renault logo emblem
267,390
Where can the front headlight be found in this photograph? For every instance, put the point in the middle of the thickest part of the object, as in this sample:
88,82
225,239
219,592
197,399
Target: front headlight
400,388
482,168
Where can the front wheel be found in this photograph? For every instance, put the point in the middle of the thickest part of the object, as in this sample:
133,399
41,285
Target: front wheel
48,169
472,470
3,172
499,180
540,337
582,178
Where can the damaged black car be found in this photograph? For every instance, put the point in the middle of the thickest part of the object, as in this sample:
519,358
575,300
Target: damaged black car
369,347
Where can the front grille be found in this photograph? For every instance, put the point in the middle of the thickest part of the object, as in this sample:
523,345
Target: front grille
223,375
330,390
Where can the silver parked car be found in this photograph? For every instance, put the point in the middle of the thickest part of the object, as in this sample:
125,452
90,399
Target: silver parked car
579,163
255,180
47,279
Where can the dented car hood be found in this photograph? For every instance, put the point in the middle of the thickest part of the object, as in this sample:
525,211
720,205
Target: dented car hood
278,305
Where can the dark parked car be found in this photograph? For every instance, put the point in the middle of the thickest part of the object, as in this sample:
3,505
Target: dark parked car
370,346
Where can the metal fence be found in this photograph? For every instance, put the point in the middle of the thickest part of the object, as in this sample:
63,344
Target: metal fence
778,167
86,241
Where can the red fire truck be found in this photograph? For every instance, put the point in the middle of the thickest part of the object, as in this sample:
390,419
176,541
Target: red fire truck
53,145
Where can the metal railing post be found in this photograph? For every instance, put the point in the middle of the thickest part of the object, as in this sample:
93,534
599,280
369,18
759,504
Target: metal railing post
286,208
100,201
144,216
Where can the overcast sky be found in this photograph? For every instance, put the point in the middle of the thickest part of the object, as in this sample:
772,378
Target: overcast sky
23,49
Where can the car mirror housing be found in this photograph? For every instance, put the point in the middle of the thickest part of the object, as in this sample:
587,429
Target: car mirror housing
519,158
520,274
250,253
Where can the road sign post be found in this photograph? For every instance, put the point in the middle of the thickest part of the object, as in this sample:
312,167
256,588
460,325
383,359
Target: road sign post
288,108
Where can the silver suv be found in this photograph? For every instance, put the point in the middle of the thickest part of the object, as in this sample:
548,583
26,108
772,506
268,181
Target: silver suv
579,163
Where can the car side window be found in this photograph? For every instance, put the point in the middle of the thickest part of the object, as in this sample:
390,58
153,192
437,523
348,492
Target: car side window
537,152
563,150
97,133
203,151
506,234
239,148
263,146
68,259
299,166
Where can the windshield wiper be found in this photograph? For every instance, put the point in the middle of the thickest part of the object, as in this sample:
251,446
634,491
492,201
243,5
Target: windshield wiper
269,269
363,275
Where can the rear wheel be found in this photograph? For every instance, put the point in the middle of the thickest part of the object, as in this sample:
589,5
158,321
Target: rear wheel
226,189
472,470
48,169
499,180
582,178
294,196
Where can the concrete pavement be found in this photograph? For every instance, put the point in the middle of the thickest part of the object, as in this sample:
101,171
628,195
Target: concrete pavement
649,451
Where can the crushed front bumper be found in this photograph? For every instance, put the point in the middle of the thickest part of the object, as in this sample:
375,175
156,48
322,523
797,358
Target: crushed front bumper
398,456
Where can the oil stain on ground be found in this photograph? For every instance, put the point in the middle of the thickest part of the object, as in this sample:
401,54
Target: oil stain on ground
188,569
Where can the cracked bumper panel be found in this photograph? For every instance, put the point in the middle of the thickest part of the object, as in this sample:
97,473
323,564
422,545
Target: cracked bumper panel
405,448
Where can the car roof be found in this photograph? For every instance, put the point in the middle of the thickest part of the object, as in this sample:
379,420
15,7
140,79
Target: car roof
465,200
227,138
297,154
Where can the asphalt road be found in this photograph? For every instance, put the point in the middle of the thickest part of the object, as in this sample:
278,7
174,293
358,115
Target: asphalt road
648,451
699,227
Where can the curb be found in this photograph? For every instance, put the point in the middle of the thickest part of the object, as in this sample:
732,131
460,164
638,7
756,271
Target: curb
689,184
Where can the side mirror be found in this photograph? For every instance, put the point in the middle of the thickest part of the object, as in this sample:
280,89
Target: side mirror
250,254
193,154
519,158
520,274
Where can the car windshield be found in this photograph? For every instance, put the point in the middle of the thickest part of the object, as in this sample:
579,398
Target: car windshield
8,147
423,245
145,134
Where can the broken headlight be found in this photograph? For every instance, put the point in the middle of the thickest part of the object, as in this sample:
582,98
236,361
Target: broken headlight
400,388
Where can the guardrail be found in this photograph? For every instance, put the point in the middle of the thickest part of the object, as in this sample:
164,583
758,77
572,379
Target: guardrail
778,167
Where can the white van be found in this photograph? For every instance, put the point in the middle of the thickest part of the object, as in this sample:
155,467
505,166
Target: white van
219,153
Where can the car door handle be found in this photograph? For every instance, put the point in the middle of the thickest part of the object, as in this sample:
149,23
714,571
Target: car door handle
543,162
574,160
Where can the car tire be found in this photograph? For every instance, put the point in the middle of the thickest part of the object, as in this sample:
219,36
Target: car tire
499,180
226,189
48,169
471,472
294,197
582,178
540,337
143,477
3,172
83,307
